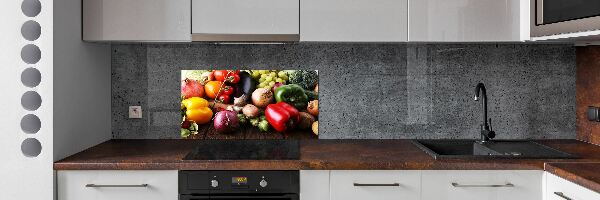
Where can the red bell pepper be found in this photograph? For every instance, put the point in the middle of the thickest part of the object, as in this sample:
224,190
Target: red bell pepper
282,116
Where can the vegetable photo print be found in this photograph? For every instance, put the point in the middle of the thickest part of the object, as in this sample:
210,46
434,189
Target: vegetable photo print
249,104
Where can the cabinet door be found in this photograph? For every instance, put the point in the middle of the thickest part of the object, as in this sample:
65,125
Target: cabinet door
245,17
136,20
560,189
468,20
482,185
353,21
375,184
117,185
314,185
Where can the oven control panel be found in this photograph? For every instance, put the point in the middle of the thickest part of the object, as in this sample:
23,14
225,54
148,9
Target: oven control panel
226,182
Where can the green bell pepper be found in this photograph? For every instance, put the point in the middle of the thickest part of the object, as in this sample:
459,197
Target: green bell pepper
292,94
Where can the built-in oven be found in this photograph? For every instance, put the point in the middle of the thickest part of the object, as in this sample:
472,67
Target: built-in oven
238,185
552,17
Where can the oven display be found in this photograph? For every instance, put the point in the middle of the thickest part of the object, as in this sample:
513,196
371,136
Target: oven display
239,180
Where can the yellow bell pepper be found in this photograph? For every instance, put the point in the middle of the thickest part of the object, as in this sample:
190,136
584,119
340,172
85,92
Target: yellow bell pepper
197,110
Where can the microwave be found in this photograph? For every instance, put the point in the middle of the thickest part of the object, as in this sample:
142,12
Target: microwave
554,17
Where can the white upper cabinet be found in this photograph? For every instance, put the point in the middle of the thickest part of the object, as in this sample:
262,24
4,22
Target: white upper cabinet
468,20
245,20
354,20
136,20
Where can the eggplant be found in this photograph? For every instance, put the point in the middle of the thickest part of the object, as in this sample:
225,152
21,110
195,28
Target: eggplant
247,85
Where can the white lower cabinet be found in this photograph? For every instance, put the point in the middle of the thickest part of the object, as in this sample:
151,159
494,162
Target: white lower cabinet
482,185
375,185
314,184
560,189
117,185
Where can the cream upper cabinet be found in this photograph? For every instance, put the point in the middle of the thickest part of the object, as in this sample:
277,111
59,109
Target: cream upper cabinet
354,20
245,20
468,20
136,20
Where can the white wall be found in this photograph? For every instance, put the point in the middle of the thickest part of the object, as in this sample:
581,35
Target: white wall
24,177
82,89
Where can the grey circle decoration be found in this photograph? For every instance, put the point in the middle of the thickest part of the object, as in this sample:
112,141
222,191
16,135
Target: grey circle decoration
31,147
31,100
31,54
31,77
30,124
31,8
31,30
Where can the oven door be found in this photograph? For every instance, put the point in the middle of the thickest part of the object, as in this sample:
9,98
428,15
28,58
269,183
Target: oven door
241,197
552,17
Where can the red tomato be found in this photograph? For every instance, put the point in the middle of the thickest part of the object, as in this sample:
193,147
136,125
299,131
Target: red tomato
224,98
227,90
220,74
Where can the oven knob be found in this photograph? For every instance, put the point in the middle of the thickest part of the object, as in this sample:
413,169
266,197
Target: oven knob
214,183
263,183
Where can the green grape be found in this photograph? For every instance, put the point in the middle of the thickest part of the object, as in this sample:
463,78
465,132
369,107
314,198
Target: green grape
261,85
271,83
273,74
263,75
255,74
261,80
282,74
267,87
283,82
280,80
284,77
268,79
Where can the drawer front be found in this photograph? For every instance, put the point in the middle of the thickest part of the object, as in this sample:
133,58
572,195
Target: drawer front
377,185
482,185
117,185
560,189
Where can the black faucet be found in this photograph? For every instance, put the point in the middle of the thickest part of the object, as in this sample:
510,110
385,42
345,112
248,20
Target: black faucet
486,129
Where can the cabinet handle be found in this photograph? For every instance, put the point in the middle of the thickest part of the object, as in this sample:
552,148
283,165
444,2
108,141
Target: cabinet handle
491,185
561,195
114,186
376,184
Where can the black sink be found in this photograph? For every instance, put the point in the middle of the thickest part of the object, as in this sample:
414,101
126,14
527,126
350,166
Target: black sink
471,149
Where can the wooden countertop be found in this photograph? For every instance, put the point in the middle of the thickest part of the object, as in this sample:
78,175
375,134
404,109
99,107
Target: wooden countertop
331,155
314,154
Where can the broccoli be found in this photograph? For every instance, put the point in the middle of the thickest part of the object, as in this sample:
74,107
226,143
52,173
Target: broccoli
307,79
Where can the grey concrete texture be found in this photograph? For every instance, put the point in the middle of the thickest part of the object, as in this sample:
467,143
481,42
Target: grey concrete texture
369,91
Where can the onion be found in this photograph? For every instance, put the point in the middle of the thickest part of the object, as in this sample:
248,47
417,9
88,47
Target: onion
226,121
262,97
250,111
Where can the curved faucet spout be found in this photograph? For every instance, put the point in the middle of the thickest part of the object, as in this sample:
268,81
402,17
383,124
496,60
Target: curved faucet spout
486,132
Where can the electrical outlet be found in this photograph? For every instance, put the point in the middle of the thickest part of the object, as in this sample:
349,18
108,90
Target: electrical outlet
135,112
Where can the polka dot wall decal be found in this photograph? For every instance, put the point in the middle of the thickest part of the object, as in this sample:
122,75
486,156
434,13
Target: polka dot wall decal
31,77
31,147
31,54
31,100
31,8
30,124
31,30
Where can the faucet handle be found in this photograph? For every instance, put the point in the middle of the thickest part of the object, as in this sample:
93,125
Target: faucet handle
491,129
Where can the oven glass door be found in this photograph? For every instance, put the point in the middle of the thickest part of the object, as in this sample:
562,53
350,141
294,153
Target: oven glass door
554,11
236,197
